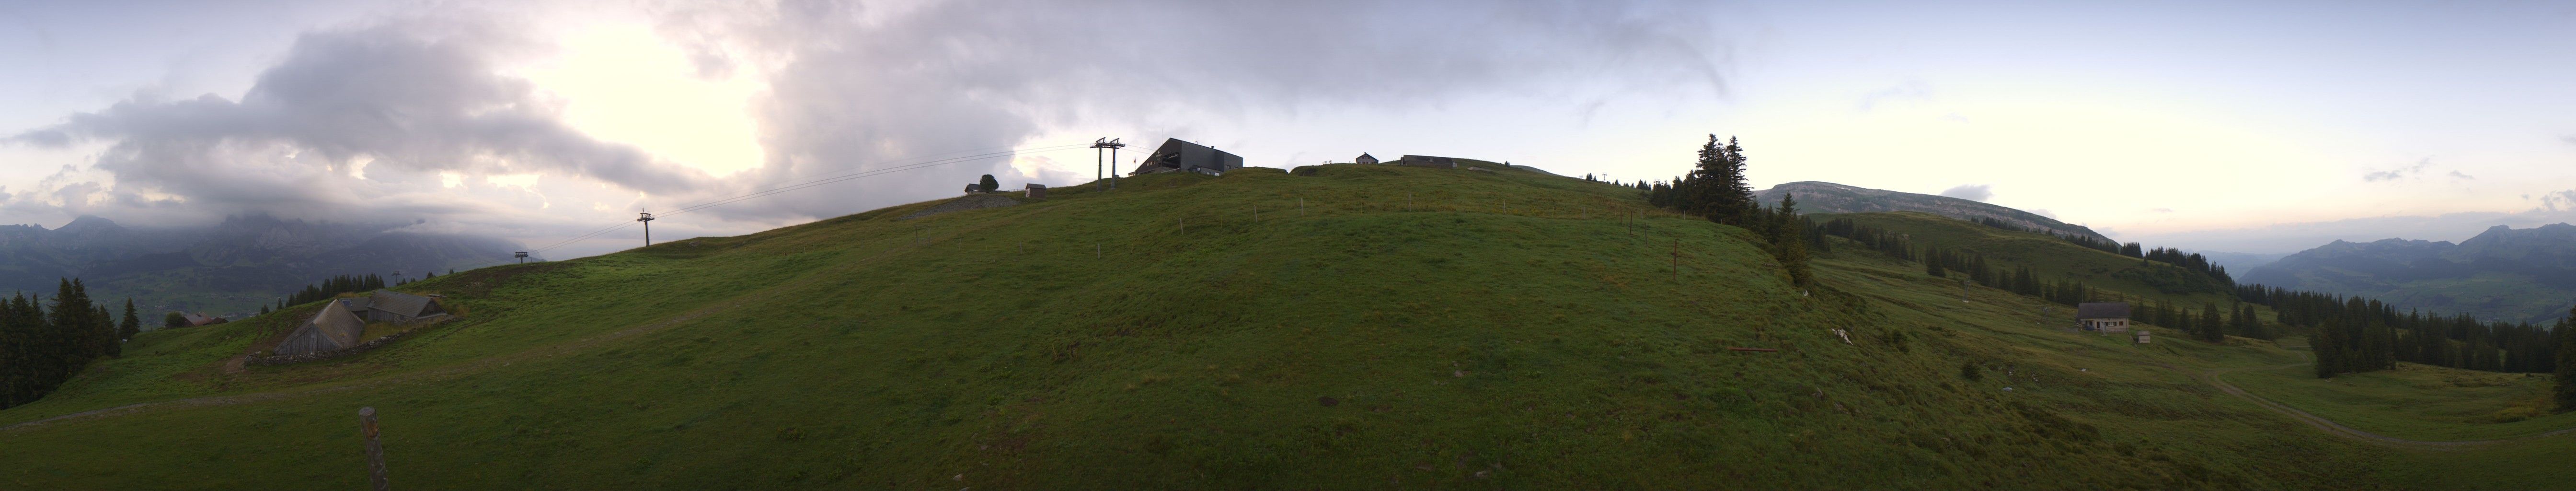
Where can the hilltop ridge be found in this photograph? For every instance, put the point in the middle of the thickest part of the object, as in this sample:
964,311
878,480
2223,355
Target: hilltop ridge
1826,197
2503,273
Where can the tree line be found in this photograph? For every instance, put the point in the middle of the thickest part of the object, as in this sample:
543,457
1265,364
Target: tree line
2211,322
1715,189
2187,261
2354,334
44,343
332,287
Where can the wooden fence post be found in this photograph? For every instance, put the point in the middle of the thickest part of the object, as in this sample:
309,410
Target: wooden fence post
375,449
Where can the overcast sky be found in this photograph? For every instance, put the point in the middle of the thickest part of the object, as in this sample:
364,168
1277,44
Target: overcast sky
2217,126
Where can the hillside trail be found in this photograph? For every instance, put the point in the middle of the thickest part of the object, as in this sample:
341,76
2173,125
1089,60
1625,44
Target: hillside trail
480,365
2212,376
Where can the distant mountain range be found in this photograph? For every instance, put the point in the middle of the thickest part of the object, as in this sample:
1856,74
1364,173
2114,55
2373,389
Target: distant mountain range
230,268
2501,274
1826,197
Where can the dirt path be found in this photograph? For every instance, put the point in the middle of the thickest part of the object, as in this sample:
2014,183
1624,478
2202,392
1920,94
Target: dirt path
2321,423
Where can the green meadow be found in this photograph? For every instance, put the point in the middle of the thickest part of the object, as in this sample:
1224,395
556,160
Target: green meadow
1339,326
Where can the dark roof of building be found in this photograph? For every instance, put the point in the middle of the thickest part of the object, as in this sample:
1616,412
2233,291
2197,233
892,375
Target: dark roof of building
198,319
399,303
333,328
2102,310
1180,155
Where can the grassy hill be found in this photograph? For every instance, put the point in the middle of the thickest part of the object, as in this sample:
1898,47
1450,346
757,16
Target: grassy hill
2052,258
1346,326
1826,197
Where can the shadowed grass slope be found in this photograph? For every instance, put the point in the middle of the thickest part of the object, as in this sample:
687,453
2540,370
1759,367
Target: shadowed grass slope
1349,326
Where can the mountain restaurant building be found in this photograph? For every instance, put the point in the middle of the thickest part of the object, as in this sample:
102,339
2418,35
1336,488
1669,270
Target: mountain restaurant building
2107,317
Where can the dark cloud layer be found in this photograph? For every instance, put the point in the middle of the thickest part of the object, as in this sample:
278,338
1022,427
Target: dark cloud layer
866,85
407,98
852,87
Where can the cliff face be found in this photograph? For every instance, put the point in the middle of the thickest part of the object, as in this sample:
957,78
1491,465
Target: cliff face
1826,197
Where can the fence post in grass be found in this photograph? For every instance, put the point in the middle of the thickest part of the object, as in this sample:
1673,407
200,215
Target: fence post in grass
1301,207
375,449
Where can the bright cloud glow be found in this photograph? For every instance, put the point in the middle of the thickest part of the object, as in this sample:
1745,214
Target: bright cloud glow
623,83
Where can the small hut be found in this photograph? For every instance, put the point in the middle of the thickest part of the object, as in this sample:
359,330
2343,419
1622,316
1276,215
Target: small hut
1036,191
2141,335
1365,159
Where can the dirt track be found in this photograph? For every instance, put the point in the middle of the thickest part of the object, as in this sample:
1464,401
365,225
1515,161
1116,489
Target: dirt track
2318,422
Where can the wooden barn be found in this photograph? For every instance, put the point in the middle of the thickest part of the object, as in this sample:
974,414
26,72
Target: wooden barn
1365,159
332,329
2107,317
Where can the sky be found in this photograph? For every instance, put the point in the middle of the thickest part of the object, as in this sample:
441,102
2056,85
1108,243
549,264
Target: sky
2221,126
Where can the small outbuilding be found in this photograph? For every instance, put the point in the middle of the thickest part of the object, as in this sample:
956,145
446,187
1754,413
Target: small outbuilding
1365,159
1429,161
334,328
2141,335
1036,191
195,320
2107,317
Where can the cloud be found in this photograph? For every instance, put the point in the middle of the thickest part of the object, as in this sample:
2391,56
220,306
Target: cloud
2568,139
1911,89
1971,192
867,85
2399,173
2161,210
2457,175
407,98
848,89
2556,201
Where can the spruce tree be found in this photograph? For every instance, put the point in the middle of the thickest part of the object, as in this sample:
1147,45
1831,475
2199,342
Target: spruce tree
1789,241
2566,389
2328,348
130,325
2212,329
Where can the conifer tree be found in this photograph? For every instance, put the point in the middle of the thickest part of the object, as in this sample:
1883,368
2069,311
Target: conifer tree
130,325
2327,345
1789,241
988,184
2566,334
2212,329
